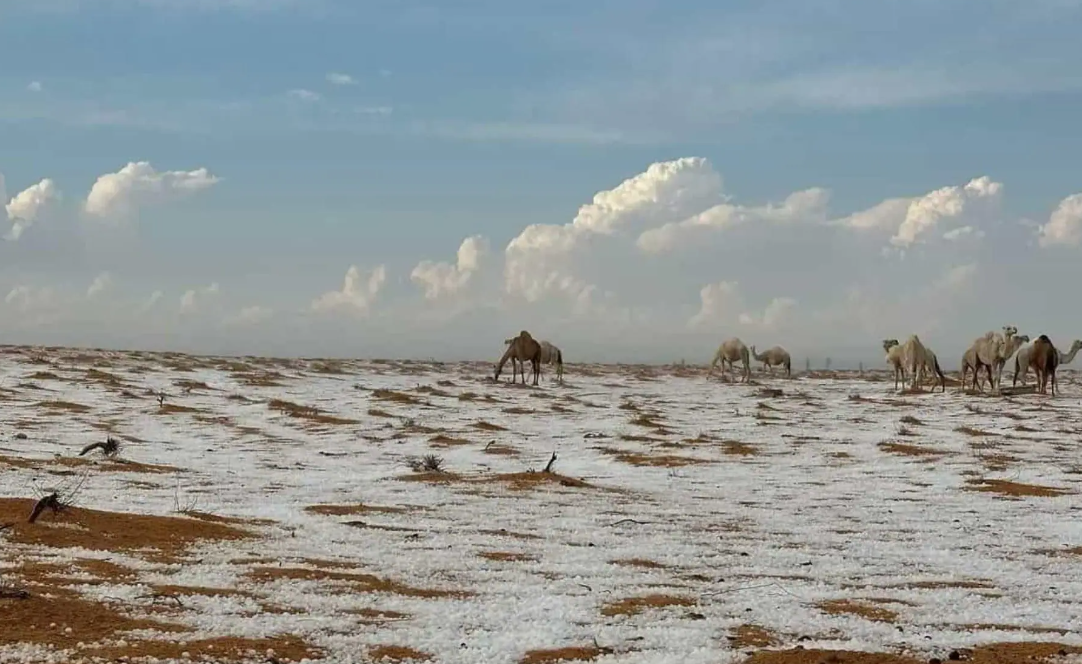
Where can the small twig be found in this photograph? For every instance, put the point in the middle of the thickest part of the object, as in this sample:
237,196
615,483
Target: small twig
548,466
635,521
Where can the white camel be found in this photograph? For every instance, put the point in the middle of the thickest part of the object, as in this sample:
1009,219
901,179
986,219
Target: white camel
1011,344
550,354
730,351
894,358
984,352
929,364
774,357
1021,359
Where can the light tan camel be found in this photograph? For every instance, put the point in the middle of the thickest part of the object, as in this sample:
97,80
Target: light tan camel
918,359
774,357
1044,359
550,354
730,351
514,361
524,348
894,358
1021,359
1011,344
982,353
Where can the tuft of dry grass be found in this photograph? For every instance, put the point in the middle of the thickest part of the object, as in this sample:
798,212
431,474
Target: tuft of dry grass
396,397
159,538
388,653
1015,489
352,510
860,609
488,426
357,581
737,448
652,460
175,409
566,654
752,636
507,556
634,605
970,431
911,450
63,406
641,563
309,413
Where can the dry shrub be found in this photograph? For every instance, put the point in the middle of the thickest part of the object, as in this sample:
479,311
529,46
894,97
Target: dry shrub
519,410
351,510
176,409
970,431
376,412
43,375
441,440
488,426
737,448
911,450
189,385
429,463
642,563
633,605
428,389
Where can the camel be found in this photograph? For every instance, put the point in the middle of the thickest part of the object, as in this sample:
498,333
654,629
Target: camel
1043,359
894,359
919,359
985,351
772,357
523,347
730,351
1010,345
1021,359
550,354
514,361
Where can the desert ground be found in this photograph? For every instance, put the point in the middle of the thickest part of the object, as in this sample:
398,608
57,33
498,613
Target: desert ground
348,511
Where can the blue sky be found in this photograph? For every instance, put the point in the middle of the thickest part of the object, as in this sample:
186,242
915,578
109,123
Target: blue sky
356,133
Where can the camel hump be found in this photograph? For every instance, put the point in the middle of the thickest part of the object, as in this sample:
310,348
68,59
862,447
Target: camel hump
1044,338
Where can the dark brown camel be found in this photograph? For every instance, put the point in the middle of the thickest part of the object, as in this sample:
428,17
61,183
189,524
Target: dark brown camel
1044,359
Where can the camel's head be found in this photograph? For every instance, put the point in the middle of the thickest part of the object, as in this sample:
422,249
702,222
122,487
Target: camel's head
1009,330
508,342
1077,345
1022,338
889,343
496,373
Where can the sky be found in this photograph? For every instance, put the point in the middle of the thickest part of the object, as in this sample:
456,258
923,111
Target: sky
632,180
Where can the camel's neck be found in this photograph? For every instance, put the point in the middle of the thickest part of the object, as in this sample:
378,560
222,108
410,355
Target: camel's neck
759,356
1069,357
507,355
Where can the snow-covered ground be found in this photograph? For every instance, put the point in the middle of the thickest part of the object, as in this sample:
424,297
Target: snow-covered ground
837,514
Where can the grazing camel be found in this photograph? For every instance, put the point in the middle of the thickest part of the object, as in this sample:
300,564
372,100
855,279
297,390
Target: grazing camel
524,348
919,359
514,361
774,357
1043,359
730,351
1010,345
1021,359
894,359
550,354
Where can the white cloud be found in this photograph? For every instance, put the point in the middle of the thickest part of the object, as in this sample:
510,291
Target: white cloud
441,280
25,207
35,86
30,298
191,300
808,206
337,78
356,294
252,315
137,184
721,304
963,232
149,303
537,260
100,283
304,95
1064,227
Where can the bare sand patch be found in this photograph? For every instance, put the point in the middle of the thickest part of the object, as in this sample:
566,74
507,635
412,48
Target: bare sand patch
1011,489
389,653
566,654
633,605
863,609
357,581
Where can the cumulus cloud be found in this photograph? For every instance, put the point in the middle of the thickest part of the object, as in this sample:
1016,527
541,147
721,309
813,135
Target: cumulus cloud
138,184
537,260
151,301
28,204
30,298
337,78
192,298
357,294
1064,227
911,219
100,283
441,280
722,304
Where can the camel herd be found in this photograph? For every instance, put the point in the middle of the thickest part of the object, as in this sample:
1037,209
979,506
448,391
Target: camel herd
912,360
